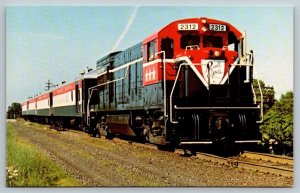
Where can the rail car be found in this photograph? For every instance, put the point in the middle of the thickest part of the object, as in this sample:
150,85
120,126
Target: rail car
63,106
188,83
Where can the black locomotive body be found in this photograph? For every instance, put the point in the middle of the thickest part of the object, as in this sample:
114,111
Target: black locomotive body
167,92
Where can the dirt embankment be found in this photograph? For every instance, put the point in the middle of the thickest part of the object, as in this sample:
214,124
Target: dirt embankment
101,162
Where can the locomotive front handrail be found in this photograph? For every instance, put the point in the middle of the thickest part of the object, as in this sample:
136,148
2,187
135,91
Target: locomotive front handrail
212,108
192,65
175,81
173,88
261,100
192,47
199,64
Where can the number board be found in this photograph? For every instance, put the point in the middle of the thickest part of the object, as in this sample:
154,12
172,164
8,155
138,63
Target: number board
217,27
188,26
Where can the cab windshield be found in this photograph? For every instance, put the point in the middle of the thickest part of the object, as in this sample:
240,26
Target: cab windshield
189,40
213,41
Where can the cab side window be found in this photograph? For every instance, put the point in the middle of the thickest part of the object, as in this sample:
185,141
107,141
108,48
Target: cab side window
145,53
167,44
232,42
152,49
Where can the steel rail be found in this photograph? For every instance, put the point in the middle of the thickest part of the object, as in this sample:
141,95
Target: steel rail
268,157
246,165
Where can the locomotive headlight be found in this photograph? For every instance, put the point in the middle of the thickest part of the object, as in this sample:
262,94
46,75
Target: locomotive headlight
217,53
204,29
203,20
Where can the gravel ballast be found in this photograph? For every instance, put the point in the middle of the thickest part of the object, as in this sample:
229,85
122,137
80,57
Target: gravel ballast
102,162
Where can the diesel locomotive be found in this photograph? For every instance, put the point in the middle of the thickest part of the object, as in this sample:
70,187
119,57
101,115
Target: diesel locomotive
188,83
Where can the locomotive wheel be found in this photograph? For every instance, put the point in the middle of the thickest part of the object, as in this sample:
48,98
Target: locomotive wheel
109,134
60,128
94,132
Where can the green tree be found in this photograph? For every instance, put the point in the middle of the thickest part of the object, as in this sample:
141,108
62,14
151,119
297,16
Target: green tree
278,121
14,111
268,94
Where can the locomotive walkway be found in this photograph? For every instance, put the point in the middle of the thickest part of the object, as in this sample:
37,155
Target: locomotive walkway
101,162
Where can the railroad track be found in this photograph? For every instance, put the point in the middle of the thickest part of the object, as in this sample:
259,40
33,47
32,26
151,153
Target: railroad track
252,164
268,157
265,163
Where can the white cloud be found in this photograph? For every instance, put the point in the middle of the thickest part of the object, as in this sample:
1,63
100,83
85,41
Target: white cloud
130,21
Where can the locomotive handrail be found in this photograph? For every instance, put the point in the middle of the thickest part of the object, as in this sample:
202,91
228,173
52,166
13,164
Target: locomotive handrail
90,90
198,64
197,108
165,84
250,64
241,65
94,88
116,69
261,100
173,88
192,65
192,47
125,65
255,99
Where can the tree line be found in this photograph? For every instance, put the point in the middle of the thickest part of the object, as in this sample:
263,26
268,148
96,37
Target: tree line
277,127
14,111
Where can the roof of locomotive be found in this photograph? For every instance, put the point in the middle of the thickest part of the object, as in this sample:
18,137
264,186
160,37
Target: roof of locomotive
106,59
87,75
199,20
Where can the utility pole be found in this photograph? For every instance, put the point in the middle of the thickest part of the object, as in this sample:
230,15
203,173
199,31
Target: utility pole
48,85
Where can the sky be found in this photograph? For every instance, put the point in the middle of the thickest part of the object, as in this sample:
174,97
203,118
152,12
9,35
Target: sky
57,43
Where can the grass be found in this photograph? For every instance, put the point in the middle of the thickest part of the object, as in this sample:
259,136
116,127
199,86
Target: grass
28,166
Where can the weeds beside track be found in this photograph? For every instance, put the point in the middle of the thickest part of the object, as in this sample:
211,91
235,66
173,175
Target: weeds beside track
28,166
